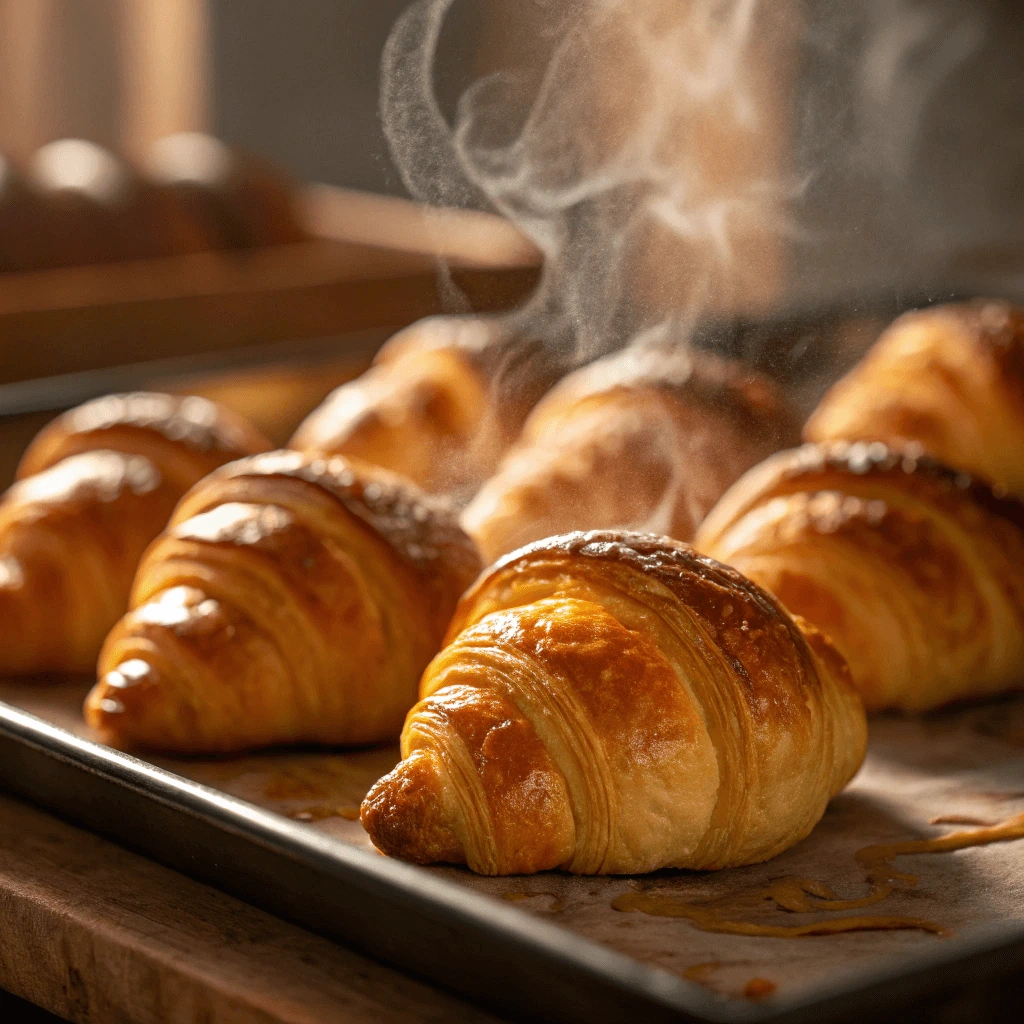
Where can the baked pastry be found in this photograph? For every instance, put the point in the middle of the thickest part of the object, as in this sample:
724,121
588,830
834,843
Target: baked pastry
913,569
292,599
95,487
442,402
615,703
949,377
647,439
238,200
93,208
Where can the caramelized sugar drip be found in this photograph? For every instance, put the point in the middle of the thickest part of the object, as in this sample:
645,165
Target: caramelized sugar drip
807,896
557,903
759,988
706,974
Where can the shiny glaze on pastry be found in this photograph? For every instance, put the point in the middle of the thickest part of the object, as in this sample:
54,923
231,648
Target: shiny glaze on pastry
95,487
615,703
950,378
442,402
647,439
291,599
913,569
186,436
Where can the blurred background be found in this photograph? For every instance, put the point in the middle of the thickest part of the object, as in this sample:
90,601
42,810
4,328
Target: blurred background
768,157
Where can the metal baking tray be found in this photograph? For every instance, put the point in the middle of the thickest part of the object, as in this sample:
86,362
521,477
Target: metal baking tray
446,926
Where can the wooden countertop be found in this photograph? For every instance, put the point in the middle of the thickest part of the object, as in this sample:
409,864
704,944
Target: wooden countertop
94,933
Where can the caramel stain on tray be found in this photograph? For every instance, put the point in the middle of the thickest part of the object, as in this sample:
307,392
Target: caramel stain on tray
323,811
557,903
293,785
758,989
706,974
807,896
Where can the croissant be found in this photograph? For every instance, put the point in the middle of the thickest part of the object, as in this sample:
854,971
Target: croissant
950,378
645,439
912,569
291,599
95,487
442,402
615,703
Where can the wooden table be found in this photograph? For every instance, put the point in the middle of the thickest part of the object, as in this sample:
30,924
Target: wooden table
94,933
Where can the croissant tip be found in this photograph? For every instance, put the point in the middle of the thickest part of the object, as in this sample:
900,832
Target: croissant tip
403,814
117,704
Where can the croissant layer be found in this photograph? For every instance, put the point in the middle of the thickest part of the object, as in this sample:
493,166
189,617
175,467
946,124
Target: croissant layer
95,487
950,378
646,439
614,703
291,599
442,402
912,569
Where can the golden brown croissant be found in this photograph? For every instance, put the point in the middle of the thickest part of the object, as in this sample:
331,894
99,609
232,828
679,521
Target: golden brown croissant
645,439
442,402
291,599
96,486
948,377
614,703
913,570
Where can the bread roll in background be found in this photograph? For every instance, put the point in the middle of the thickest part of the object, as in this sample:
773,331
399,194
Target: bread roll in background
239,200
613,703
93,208
646,439
950,378
443,401
914,570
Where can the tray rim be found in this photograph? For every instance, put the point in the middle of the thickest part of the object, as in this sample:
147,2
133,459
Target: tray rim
103,772
110,779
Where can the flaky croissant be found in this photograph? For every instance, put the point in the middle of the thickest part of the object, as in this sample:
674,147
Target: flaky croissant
950,378
614,703
646,439
95,487
913,570
442,402
291,599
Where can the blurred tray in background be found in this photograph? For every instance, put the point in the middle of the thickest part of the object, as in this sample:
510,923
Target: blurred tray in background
371,263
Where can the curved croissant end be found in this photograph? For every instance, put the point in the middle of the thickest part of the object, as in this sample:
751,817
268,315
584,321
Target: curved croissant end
950,378
291,599
643,440
95,487
912,569
430,407
70,538
615,703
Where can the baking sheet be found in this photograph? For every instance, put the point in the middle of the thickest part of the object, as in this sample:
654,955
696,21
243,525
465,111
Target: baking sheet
961,769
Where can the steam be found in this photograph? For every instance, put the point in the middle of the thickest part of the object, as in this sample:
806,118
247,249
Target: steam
655,165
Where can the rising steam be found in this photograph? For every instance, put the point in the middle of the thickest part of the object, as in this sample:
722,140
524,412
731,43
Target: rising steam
656,164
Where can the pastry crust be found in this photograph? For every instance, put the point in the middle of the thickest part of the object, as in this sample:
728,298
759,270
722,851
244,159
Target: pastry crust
615,703
913,569
442,402
95,487
291,599
647,439
950,378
